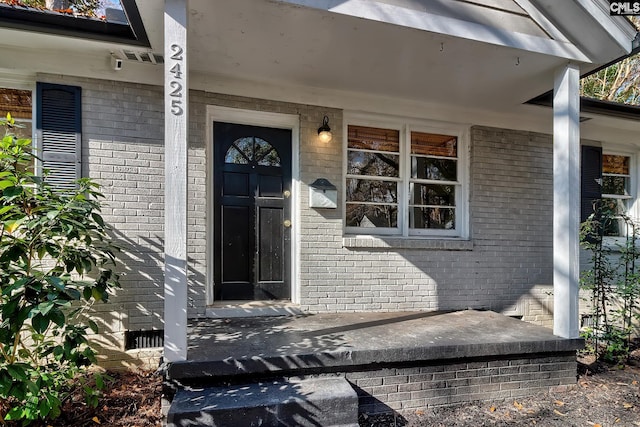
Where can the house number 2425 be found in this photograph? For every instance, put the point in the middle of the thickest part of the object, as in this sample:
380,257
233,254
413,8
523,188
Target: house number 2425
175,82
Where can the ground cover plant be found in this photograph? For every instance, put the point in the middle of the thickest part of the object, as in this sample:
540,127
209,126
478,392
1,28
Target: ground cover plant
56,259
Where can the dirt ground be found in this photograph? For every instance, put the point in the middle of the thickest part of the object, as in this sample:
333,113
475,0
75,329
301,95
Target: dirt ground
604,396
129,400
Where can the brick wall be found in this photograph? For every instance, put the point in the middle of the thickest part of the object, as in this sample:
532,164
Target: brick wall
122,149
512,216
410,388
506,266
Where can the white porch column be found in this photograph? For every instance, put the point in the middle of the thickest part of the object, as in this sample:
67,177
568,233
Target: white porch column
176,124
566,200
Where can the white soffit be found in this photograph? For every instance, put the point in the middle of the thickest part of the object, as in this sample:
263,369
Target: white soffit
498,22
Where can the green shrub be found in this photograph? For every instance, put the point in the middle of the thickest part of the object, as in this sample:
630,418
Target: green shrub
613,282
56,259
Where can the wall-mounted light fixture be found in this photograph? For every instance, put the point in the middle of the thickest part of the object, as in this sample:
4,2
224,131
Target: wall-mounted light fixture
324,131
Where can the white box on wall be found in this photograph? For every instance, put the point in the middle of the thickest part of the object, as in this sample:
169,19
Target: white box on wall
323,194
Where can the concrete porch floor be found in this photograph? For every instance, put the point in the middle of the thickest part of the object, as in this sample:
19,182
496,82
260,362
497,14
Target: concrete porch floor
321,343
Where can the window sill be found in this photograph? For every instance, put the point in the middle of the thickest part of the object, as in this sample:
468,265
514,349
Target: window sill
384,242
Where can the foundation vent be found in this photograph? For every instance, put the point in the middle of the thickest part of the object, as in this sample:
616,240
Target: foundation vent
134,340
589,321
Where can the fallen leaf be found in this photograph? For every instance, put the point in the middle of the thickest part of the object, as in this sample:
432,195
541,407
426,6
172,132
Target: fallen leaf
597,425
517,405
634,382
492,409
617,420
419,412
627,405
559,403
95,420
555,411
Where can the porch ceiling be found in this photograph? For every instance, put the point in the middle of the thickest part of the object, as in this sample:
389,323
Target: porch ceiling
289,45
284,43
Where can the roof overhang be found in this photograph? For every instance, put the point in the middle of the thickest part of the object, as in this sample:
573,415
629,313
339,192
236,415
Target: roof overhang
589,25
457,54
456,19
595,106
27,18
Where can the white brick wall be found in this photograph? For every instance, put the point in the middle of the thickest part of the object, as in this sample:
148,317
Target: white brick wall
506,270
512,214
506,267
122,149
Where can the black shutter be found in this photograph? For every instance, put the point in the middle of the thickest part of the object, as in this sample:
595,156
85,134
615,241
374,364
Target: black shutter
59,133
590,179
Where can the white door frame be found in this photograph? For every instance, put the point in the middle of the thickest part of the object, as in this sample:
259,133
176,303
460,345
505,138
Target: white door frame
255,118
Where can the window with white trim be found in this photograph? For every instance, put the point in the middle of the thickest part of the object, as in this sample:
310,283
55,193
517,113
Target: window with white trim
18,103
617,194
405,179
609,188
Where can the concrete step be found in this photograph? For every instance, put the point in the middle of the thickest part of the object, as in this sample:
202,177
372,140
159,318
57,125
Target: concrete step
310,402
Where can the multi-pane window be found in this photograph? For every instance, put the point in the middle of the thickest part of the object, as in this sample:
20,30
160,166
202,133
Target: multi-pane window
433,181
616,190
18,103
373,176
403,181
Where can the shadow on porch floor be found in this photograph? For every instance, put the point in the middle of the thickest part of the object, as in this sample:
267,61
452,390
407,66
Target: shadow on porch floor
304,344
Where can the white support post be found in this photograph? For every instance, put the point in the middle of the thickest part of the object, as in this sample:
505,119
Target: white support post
176,124
566,200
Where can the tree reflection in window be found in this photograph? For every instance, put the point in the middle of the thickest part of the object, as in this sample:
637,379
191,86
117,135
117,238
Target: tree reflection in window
373,169
433,181
616,192
251,150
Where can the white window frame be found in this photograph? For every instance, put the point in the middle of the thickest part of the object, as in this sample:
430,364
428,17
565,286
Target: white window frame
27,83
616,150
8,81
405,126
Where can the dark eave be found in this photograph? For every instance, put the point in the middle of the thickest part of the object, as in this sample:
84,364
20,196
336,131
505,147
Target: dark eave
595,106
46,21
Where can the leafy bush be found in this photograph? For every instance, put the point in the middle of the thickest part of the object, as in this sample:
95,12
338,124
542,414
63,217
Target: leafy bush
56,259
613,282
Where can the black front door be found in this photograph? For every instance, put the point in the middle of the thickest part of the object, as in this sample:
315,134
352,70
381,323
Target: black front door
252,212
